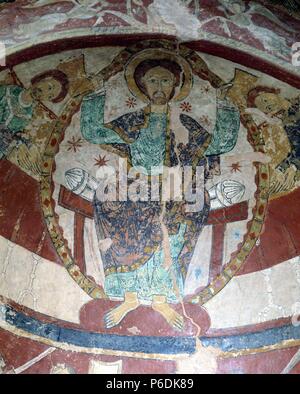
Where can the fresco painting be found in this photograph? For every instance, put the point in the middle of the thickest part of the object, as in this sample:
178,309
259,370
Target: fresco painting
256,26
149,179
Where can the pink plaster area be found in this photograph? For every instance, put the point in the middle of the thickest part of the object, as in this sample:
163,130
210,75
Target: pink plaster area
144,320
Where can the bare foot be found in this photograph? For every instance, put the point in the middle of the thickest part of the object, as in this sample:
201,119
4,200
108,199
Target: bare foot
173,318
116,315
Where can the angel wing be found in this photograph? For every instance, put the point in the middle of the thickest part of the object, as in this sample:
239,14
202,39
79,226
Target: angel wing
256,8
29,159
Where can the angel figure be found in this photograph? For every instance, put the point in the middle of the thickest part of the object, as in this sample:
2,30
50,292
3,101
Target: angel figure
287,112
82,10
241,15
16,111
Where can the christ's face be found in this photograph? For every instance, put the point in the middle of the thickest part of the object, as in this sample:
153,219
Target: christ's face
159,84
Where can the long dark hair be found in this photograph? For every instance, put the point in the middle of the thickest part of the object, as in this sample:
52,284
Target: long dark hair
147,65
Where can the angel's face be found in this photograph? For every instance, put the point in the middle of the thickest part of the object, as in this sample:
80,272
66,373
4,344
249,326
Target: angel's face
270,103
47,89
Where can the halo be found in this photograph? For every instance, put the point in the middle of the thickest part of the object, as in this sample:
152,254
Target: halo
158,54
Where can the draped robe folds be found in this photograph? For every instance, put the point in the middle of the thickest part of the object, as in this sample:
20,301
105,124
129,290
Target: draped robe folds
135,259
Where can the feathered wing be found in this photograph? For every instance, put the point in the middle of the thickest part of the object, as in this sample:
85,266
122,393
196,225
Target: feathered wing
29,159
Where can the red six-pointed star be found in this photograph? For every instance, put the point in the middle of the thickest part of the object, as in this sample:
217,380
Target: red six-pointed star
74,144
186,106
235,167
131,102
101,161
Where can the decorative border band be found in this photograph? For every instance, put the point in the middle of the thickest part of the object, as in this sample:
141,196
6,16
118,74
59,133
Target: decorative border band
162,348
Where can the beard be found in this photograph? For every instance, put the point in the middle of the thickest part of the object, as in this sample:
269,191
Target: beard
159,98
